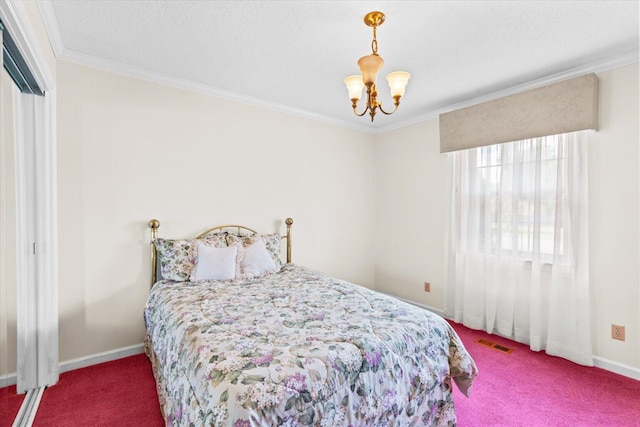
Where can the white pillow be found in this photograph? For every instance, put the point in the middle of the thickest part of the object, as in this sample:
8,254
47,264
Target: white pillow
257,260
215,263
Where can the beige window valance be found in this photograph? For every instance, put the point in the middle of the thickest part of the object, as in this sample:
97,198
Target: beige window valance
566,106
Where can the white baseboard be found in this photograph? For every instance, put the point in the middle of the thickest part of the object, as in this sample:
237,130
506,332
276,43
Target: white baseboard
599,362
107,356
8,379
615,367
83,362
426,307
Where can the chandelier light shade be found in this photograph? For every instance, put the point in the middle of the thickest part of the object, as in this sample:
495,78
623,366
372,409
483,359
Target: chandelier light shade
354,86
369,67
398,82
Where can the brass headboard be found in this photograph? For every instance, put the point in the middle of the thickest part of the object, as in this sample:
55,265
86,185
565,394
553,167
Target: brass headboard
154,224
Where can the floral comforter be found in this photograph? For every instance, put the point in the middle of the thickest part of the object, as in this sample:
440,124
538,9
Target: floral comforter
299,348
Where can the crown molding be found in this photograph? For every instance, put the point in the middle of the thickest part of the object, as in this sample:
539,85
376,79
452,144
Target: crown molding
51,25
126,70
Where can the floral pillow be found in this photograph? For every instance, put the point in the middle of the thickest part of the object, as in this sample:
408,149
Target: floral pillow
218,240
176,257
271,242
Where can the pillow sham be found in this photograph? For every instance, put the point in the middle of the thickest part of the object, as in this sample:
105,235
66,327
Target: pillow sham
177,258
214,263
271,242
218,240
256,261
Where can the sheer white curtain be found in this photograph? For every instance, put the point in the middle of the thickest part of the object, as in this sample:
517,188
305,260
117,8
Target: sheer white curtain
518,255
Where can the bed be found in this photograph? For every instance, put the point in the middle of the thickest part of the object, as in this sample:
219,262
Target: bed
290,346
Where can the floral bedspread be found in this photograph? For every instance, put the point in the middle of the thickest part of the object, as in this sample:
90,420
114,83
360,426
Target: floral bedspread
299,348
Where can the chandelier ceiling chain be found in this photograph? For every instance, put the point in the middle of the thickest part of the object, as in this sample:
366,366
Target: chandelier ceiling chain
374,42
369,67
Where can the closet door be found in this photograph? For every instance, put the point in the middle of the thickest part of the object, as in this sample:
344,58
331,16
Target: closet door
8,365
34,206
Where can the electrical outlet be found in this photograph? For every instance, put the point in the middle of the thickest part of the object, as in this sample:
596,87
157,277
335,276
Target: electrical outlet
427,287
617,332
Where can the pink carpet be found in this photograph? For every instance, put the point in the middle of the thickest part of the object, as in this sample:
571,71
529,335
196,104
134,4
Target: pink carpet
9,405
121,393
527,388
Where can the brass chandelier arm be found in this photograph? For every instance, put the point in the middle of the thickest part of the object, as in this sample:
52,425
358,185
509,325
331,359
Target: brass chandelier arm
354,105
373,104
396,103
390,112
355,110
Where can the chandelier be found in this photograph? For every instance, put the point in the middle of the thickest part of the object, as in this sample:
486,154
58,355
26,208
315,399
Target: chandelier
369,67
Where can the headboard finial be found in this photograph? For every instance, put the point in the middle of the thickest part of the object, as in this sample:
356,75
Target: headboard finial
153,224
289,222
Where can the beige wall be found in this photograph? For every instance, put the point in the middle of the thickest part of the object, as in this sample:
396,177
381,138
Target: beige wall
411,194
615,217
130,150
411,197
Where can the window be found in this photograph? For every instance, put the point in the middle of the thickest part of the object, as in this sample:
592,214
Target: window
518,188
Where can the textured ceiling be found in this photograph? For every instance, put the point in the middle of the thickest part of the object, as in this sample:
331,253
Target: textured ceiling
294,55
